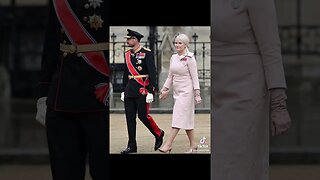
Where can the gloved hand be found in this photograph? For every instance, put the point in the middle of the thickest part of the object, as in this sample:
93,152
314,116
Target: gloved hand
197,96
164,93
149,98
122,96
280,118
41,110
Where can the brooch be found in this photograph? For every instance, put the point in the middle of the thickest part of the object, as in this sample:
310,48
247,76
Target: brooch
183,59
236,4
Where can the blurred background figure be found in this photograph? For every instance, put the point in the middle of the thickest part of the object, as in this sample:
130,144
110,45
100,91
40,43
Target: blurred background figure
249,88
74,89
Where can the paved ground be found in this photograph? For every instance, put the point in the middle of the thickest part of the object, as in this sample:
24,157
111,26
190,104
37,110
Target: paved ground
145,140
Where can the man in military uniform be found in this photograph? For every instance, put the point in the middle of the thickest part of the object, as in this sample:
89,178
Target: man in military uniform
73,89
138,89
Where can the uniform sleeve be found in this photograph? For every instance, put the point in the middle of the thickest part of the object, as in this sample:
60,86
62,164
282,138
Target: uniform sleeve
151,71
124,77
50,53
192,65
169,80
263,18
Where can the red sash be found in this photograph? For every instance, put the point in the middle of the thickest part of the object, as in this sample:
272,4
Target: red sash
134,72
79,35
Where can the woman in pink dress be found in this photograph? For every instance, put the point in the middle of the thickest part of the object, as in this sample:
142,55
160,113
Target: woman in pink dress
183,78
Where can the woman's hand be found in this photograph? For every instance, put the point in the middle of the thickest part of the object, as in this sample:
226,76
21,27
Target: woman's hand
164,93
197,96
280,118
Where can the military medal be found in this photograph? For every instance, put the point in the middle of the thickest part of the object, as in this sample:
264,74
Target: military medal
139,61
95,21
141,55
139,68
86,6
95,3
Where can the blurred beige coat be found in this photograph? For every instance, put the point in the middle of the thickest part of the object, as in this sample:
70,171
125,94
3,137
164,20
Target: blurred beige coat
246,62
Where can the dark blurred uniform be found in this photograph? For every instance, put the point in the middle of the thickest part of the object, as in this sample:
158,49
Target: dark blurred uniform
75,80
139,79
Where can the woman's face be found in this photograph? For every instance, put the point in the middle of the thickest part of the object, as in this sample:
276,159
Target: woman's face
179,45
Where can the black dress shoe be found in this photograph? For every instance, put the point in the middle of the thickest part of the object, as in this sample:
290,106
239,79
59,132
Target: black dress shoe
129,150
159,141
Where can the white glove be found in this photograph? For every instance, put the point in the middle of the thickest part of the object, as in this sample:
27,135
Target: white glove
149,98
41,110
122,96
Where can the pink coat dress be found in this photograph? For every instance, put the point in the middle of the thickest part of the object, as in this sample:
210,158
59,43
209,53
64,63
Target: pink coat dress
183,77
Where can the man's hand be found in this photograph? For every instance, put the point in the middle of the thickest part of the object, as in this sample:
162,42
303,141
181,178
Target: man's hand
41,110
149,98
122,96
280,118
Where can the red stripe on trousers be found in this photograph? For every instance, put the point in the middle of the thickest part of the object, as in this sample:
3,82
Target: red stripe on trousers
152,122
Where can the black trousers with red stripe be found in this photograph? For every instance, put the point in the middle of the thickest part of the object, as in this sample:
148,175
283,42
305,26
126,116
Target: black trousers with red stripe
75,139
134,106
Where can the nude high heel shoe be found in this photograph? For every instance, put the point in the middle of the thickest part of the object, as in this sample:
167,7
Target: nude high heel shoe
165,151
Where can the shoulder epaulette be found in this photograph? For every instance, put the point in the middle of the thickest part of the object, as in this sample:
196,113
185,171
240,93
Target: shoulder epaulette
147,49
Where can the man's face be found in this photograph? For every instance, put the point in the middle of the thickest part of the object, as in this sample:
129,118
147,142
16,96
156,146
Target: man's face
132,41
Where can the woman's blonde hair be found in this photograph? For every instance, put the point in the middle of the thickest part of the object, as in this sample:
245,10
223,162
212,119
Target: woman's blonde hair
184,38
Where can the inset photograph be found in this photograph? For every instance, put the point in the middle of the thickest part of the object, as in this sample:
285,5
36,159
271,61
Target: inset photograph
160,90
